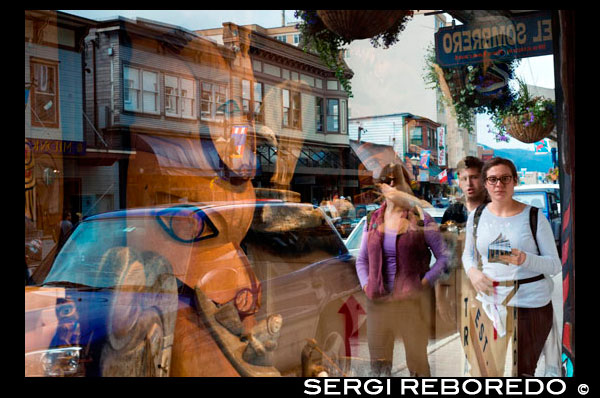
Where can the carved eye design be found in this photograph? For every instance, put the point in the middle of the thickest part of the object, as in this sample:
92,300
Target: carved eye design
247,301
186,223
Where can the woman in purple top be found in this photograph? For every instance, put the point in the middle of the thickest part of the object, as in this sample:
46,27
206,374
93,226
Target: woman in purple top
393,267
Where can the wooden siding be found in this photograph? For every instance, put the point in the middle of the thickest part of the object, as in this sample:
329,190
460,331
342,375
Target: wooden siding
380,130
70,93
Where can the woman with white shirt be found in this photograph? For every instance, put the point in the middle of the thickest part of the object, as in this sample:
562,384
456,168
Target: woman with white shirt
507,220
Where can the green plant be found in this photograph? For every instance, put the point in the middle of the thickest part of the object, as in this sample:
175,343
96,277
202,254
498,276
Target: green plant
464,87
524,110
329,45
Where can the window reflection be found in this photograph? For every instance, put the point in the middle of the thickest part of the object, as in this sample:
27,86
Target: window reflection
200,196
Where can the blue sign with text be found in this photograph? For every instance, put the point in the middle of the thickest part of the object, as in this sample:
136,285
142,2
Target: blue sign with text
499,38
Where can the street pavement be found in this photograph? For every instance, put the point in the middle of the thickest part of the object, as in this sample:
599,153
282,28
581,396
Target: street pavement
446,357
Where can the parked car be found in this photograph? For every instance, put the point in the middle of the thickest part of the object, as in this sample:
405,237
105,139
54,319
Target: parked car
362,209
353,240
547,198
436,212
440,202
166,291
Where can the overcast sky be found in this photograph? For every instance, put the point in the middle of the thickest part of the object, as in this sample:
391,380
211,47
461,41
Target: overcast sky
536,71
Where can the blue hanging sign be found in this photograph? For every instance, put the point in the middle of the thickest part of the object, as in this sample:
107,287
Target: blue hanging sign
498,39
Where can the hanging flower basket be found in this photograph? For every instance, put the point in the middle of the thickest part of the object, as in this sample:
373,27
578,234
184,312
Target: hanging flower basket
360,24
472,89
519,128
479,87
528,119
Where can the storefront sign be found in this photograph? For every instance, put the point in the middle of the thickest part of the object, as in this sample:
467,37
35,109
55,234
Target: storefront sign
441,132
57,147
424,162
502,38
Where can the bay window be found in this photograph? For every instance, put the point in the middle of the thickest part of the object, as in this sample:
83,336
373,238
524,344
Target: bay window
292,109
252,100
320,114
333,115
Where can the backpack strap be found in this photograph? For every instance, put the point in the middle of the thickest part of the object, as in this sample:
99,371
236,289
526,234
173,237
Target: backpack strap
533,221
476,218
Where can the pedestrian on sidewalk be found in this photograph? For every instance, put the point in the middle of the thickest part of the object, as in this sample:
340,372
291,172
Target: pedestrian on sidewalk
393,267
508,260
471,185
474,194
63,229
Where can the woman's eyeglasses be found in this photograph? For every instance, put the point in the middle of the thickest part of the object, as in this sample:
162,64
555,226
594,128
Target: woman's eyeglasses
504,180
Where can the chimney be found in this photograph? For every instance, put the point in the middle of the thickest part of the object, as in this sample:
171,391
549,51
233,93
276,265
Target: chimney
282,17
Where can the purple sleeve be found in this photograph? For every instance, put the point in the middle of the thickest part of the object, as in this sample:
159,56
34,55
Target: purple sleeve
436,243
362,261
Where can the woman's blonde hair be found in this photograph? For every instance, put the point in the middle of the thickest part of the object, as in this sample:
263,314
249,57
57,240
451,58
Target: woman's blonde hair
399,174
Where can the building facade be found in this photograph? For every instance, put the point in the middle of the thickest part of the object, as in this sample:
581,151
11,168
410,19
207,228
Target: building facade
305,108
54,117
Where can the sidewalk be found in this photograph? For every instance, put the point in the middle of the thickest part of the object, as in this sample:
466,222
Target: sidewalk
446,357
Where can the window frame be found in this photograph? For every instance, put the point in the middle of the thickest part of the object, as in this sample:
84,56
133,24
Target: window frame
250,111
320,114
35,118
294,109
216,90
336,116
412,135
141,91
180,99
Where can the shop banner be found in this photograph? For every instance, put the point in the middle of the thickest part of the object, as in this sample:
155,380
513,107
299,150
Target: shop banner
57,147
441,133
499,38
424,163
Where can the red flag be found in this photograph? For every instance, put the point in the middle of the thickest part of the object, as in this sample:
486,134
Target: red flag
443,176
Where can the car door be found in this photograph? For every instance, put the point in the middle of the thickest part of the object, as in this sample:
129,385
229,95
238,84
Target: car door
301,266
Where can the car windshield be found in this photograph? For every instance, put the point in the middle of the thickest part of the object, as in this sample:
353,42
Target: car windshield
355,239
81,259
535,199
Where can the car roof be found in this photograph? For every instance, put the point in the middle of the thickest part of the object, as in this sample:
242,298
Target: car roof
152,211
537,187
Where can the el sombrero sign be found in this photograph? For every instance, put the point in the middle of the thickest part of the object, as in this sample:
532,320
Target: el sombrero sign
497,38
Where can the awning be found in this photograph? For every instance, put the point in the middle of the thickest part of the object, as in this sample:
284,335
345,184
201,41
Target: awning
179,156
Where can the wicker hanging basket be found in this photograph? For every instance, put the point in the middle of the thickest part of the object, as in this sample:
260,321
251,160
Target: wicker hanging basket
529,134
360,24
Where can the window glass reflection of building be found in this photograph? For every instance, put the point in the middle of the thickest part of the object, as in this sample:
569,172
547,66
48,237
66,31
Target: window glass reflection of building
333,115
144,84
179,97
44,99
213,98
252,100
319,114
292,109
